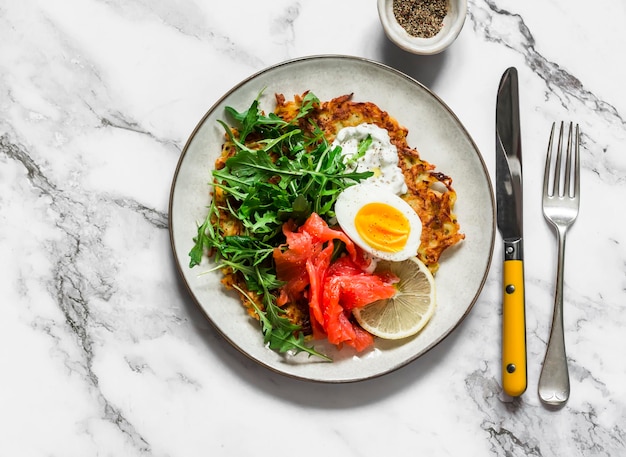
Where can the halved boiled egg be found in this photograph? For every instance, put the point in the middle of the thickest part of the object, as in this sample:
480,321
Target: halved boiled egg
379,222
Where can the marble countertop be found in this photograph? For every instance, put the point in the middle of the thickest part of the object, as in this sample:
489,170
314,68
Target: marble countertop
103,352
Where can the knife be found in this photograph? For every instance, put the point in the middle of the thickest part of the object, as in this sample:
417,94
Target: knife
509,217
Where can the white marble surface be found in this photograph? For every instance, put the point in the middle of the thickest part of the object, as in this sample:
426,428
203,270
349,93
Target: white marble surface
102,351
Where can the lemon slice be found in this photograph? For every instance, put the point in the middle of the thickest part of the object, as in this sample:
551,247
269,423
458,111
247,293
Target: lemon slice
409,310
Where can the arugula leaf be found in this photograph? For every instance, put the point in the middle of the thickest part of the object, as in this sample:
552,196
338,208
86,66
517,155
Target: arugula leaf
279,333
279,172
248,119
204,239
308,104
364,145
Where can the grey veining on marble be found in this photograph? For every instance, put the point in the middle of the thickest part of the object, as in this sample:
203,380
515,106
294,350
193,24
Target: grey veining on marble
103,351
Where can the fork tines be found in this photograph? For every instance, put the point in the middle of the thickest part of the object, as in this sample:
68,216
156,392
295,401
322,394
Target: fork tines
562,179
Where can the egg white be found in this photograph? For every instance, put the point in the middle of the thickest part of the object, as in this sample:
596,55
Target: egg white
352,199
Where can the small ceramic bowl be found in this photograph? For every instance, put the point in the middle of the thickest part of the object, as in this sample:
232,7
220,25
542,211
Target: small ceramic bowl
452,25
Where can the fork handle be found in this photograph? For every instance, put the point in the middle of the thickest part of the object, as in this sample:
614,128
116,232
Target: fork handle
554,386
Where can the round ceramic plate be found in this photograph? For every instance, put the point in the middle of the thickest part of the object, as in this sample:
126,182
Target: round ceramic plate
439,137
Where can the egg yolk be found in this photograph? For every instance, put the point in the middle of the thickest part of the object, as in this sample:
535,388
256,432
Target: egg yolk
382,227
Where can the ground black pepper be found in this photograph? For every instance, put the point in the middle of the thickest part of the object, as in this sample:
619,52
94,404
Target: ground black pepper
421,18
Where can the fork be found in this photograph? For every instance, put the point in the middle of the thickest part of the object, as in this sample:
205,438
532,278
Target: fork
561,197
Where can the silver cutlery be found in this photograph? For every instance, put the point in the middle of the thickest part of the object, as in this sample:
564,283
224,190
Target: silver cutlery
561,198
509,201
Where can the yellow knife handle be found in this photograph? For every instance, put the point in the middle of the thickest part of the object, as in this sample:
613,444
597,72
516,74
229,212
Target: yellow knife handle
513,329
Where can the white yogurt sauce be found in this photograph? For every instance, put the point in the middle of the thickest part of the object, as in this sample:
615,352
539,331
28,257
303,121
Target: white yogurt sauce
381,157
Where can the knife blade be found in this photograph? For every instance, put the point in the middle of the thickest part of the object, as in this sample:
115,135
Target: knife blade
510,225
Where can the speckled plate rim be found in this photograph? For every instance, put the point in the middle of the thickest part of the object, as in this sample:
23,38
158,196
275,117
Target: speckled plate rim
433,129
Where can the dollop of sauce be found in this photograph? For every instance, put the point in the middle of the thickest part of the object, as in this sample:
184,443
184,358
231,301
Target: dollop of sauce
381,157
